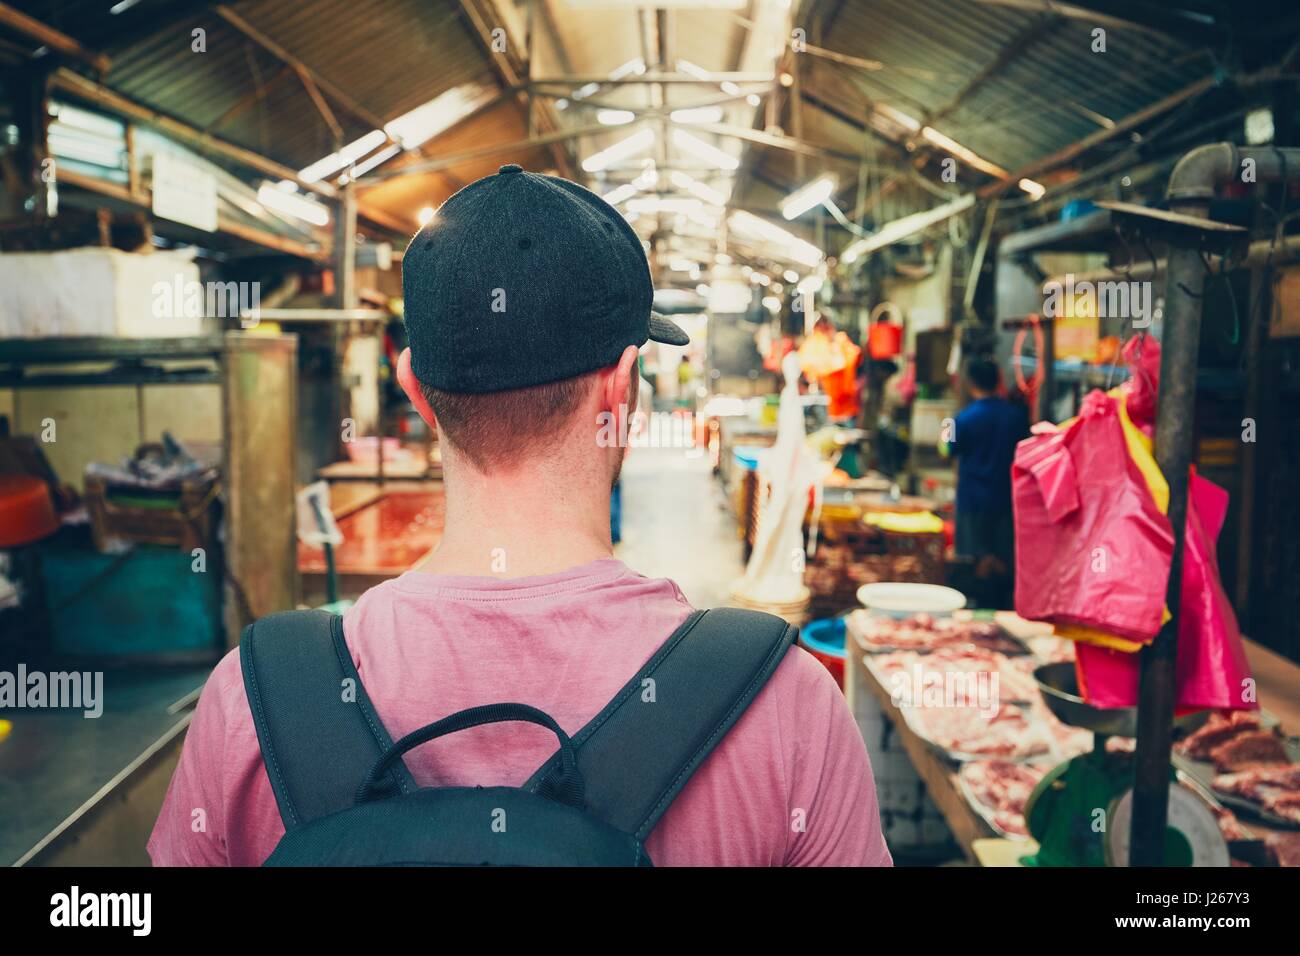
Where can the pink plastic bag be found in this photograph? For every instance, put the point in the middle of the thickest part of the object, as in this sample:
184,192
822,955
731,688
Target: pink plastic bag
1092,547
1142,356
1212,668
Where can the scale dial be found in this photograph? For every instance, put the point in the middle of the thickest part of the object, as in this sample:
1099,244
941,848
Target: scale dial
1188,815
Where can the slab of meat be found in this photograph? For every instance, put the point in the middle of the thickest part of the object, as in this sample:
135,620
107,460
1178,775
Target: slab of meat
924,632
963,676
1002,788
1250,749
1251,783
1229,825
1285,848
1285,803
968,730
1219,728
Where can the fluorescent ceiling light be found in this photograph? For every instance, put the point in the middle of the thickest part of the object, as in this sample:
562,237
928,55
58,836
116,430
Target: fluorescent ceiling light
428,120
731,89
790,275
616,196
697,114
808,197
753,99
614,117
344,157
624,148
648,176
691,69
582,92
897,117
425,216
360,169
681,265
1034,189
291,204
902,228
698,189
704,151
971,158
794,248
636,66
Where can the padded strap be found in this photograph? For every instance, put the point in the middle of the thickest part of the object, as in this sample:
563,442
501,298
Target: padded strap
637,754
319,736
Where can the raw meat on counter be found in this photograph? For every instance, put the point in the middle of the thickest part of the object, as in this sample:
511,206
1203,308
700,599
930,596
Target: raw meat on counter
916,680
1285,848
1065,740
1285,803
1009,733
1219,729
1276,789
1002,788
925,632
1247,750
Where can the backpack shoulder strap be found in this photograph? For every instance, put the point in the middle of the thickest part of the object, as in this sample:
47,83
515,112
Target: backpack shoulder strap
637,754
319,735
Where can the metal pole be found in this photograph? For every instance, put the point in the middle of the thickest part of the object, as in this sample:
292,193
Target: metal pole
1175,418
1191,186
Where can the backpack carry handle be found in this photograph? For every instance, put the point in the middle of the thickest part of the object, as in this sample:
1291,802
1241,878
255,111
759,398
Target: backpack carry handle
567,787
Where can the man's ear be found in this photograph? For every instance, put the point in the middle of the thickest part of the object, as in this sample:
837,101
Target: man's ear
411,386
618,382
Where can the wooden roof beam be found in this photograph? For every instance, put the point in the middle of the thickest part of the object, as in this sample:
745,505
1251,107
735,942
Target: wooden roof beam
54,39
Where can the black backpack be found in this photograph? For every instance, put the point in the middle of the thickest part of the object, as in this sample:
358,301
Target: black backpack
347,799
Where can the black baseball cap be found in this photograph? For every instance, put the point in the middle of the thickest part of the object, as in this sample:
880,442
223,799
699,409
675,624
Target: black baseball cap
522,279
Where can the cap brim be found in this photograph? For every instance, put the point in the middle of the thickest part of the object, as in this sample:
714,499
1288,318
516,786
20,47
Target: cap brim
665,330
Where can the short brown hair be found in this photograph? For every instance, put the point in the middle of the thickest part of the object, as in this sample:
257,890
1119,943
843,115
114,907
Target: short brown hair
494,428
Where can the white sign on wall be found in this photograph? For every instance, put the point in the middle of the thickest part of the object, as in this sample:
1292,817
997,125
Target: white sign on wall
184,192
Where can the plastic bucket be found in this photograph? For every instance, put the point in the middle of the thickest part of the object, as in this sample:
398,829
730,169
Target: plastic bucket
824,640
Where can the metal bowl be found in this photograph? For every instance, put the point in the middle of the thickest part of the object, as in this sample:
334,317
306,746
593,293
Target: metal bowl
1060,688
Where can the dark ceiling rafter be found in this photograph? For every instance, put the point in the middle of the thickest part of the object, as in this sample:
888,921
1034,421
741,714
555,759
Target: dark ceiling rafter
53,39
1021,41
310,77
1170,20
250,99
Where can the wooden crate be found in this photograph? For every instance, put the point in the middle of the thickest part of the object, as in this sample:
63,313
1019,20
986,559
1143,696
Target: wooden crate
187,524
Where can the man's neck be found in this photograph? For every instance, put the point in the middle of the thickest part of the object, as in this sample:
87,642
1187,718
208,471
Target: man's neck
521,524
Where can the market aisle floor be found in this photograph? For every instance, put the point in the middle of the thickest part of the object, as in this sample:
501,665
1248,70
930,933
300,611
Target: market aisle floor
676,523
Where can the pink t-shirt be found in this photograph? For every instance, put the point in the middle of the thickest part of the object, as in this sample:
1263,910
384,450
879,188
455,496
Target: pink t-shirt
790,784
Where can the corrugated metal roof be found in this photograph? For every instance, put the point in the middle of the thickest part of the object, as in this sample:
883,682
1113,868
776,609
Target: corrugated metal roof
393,55
1044,97
388,55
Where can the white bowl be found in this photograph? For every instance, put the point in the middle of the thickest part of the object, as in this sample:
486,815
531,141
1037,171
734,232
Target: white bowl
900,599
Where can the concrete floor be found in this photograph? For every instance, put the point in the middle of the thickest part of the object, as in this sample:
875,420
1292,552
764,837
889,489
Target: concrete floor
676,523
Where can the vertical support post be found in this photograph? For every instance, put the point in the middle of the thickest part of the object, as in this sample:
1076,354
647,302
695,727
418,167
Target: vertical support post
1047,361
345,248
1175,419
259,398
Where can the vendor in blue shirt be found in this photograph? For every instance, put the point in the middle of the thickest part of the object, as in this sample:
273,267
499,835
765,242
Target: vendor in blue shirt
984,441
